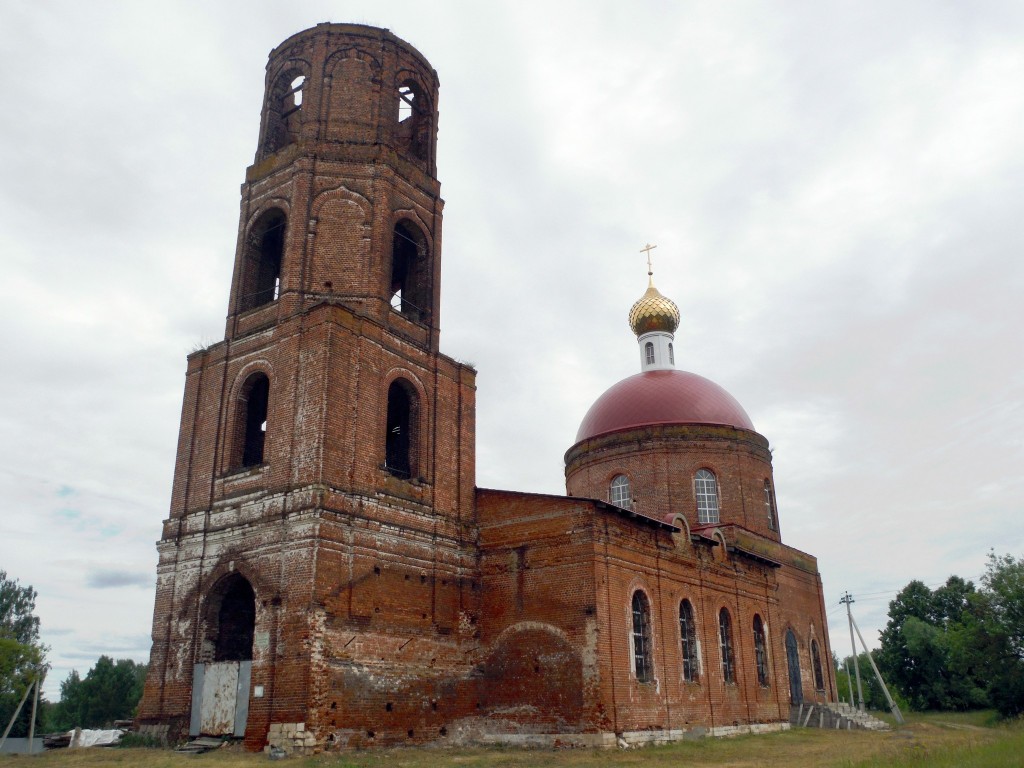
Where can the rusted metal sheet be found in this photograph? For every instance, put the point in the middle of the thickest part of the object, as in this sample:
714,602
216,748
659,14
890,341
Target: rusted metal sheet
242,706
220,695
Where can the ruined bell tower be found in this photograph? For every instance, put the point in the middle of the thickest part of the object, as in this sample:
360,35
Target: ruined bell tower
319,555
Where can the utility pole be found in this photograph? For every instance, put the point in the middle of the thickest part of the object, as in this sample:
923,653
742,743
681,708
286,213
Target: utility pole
892,704
856,667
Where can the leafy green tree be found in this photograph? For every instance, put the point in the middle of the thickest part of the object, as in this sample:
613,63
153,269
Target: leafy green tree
110,691
21,653
1001,631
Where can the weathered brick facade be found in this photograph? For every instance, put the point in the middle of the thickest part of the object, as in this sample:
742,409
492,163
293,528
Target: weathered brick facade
327,548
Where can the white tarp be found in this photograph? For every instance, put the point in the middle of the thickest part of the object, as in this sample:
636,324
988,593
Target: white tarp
84,737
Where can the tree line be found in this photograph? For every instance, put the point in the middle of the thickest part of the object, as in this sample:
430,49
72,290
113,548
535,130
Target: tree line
109,691
957,647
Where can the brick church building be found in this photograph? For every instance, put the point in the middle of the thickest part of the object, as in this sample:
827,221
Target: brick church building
330,574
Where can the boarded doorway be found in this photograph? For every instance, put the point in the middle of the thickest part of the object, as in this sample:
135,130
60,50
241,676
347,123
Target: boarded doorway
220,690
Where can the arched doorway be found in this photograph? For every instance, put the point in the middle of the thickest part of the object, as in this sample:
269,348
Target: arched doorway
220,688
796,687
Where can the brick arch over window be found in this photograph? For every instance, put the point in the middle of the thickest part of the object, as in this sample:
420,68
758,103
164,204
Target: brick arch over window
249,428
260,281
402,429
643,653
411,286
285,100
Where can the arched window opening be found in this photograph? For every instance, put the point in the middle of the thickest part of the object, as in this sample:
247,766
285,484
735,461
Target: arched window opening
671,355
236,622
819,678
253,402
264,253
619,493
705,488
760,651
410,278
283,113
649,353
796,690
413,119
769,505
688,638
642,638
399,444
725,640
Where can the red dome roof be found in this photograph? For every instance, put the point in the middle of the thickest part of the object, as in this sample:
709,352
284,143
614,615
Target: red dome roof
662,397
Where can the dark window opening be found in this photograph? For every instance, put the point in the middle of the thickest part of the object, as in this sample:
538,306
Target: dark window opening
283,114
642,638
819,680
236,622
264,253
398,440
253,403
410,278
413,130
725,639
688,637
760,651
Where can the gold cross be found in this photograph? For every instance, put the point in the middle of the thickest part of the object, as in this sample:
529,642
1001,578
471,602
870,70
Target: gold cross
647,249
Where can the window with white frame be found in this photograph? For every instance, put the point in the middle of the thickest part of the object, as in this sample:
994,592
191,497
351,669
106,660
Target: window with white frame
620,493
705,488
649,353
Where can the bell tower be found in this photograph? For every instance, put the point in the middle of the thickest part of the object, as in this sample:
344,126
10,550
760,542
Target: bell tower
321,532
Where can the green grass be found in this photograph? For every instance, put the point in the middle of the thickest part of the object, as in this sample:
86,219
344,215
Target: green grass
932,739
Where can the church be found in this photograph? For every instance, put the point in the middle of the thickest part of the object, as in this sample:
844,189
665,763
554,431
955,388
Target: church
330,575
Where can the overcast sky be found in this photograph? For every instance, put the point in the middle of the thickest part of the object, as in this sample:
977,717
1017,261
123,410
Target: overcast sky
835,190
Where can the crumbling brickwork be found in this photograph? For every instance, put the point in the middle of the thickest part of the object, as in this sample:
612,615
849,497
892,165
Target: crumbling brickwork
329,568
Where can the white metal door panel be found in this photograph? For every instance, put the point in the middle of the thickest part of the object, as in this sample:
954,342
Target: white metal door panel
220,692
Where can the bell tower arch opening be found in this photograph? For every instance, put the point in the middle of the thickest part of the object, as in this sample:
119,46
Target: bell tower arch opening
410,272
261,265
231,619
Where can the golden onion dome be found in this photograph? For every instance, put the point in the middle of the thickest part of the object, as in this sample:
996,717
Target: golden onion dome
654,312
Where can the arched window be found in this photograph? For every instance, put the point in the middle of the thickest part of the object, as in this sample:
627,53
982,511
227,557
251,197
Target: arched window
725,641
769,505
760,651
251,421
413,119
706,490
236,621
619,492
399,439
819,680
671,355
642,638
285,102
264,253
688,638
410,272
649,353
